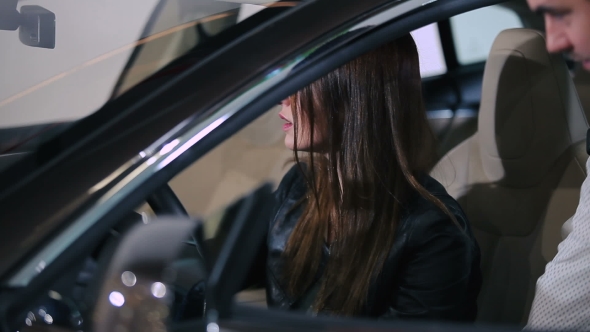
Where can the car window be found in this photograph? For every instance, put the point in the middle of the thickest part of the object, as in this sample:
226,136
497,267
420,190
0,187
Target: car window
99,51
249,158
241,163
474,32
432,60
208,190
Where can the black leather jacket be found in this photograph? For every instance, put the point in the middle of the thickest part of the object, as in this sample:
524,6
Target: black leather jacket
432,271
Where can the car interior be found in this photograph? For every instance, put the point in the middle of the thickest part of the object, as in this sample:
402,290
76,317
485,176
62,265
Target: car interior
518,176
515,165
511,126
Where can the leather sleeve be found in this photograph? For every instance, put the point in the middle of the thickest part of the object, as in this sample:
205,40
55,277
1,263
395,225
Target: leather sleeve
434,277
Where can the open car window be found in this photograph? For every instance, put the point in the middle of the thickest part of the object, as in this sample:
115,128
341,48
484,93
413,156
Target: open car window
475,31
432,60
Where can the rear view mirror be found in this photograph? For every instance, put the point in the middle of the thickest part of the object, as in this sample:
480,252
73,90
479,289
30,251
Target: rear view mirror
37,28
35,24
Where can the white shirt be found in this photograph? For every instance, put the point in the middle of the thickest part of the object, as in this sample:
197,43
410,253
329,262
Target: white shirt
562,298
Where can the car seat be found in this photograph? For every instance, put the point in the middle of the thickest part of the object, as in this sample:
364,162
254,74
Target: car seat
582,83
518,177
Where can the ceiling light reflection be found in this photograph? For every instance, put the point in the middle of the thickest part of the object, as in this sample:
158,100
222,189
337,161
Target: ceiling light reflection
168,147
158,290
117,299
54,295
212,327
128,278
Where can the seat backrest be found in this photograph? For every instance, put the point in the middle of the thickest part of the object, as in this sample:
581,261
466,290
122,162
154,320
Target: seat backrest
518,177
582,83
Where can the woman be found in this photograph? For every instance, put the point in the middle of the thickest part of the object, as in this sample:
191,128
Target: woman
360,228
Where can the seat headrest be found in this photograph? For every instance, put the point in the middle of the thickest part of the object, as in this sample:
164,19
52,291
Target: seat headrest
530,112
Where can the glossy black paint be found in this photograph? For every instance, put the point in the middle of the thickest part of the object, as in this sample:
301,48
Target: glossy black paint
246,319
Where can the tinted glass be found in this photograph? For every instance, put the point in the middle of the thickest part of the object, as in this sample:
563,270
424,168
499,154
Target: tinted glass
474,32
432,59
87,53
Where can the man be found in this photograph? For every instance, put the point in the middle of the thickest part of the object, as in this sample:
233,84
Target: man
567,25
562,297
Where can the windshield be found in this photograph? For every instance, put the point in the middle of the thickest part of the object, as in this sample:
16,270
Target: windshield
63,60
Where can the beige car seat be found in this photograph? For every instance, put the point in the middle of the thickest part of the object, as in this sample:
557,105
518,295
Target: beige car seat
518,177
582,83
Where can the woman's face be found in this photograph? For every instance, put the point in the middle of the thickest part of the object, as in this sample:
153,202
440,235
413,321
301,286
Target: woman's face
303,137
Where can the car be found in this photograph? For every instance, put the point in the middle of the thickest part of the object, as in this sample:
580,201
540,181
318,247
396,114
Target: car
139,150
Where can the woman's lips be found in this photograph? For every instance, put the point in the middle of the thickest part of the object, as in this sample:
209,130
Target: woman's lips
287,125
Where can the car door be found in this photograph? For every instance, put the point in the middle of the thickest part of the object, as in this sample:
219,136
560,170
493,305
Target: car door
215,109
64,189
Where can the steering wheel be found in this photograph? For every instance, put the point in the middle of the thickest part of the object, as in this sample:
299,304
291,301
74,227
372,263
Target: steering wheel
190,268
190,294
165,202
189,288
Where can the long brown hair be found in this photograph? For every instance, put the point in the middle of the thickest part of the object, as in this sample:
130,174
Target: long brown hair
377,144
